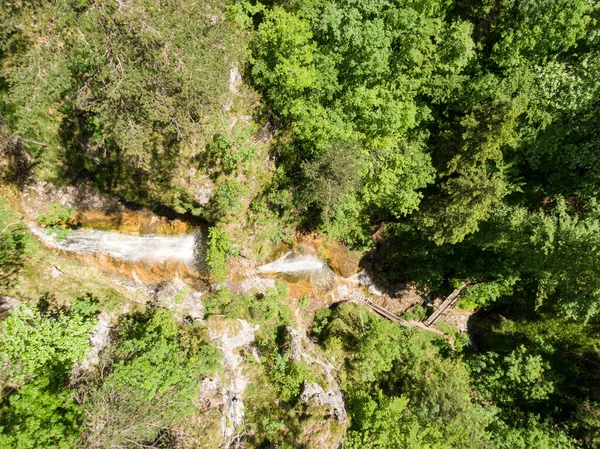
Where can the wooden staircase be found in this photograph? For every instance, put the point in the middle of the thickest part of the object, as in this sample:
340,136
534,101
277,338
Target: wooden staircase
448,303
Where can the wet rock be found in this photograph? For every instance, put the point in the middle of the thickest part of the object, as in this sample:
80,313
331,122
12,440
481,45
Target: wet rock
142,221
365,279
343,261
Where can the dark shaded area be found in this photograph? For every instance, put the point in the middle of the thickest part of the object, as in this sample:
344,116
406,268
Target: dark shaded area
573,358
13,242
113,172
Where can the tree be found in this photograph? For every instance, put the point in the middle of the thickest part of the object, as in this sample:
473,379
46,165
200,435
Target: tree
37,352
34,344
517,378
331,177
147,381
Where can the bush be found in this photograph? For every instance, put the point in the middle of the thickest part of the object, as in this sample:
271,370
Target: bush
58,217
219,247
148,384
37,353
58,220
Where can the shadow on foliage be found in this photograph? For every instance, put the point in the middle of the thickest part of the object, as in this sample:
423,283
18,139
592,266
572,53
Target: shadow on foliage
574,362
136,178
13,242
403,255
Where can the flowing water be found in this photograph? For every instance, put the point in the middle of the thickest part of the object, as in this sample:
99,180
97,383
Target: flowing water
301,266
293,264
189,248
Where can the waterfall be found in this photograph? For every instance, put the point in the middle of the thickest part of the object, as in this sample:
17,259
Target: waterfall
152,247
301,266
293,264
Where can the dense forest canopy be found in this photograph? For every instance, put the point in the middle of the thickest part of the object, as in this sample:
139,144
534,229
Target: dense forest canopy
446,140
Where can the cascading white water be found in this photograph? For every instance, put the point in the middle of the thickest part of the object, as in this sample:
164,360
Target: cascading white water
301,266
364,278
293,264
157,248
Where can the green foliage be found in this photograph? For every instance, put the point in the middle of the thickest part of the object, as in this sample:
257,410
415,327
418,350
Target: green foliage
513,379
40,415
14,241
58,217
547,249
34,343
287,376
457,139
224,154
485,294
37,352
226,199
127,91
350,75
402,390
155,368
268,310
331,177
58,220
376,421
535,436
218,248
393,178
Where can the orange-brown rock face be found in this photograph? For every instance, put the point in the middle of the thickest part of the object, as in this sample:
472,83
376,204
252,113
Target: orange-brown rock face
142,222
142,272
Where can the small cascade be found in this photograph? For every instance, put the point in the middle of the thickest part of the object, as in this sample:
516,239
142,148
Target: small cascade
301,266
152,247
365,279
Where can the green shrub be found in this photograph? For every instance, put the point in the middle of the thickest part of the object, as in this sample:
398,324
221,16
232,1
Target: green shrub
287,376
219,247
37,353
59,216
226,199
59,220
153,373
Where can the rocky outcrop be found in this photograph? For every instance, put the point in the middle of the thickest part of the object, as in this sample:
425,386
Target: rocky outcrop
302,349
232,390
38,194
7,304
96,210
332,398
318,399
324,414
176,295
98,341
